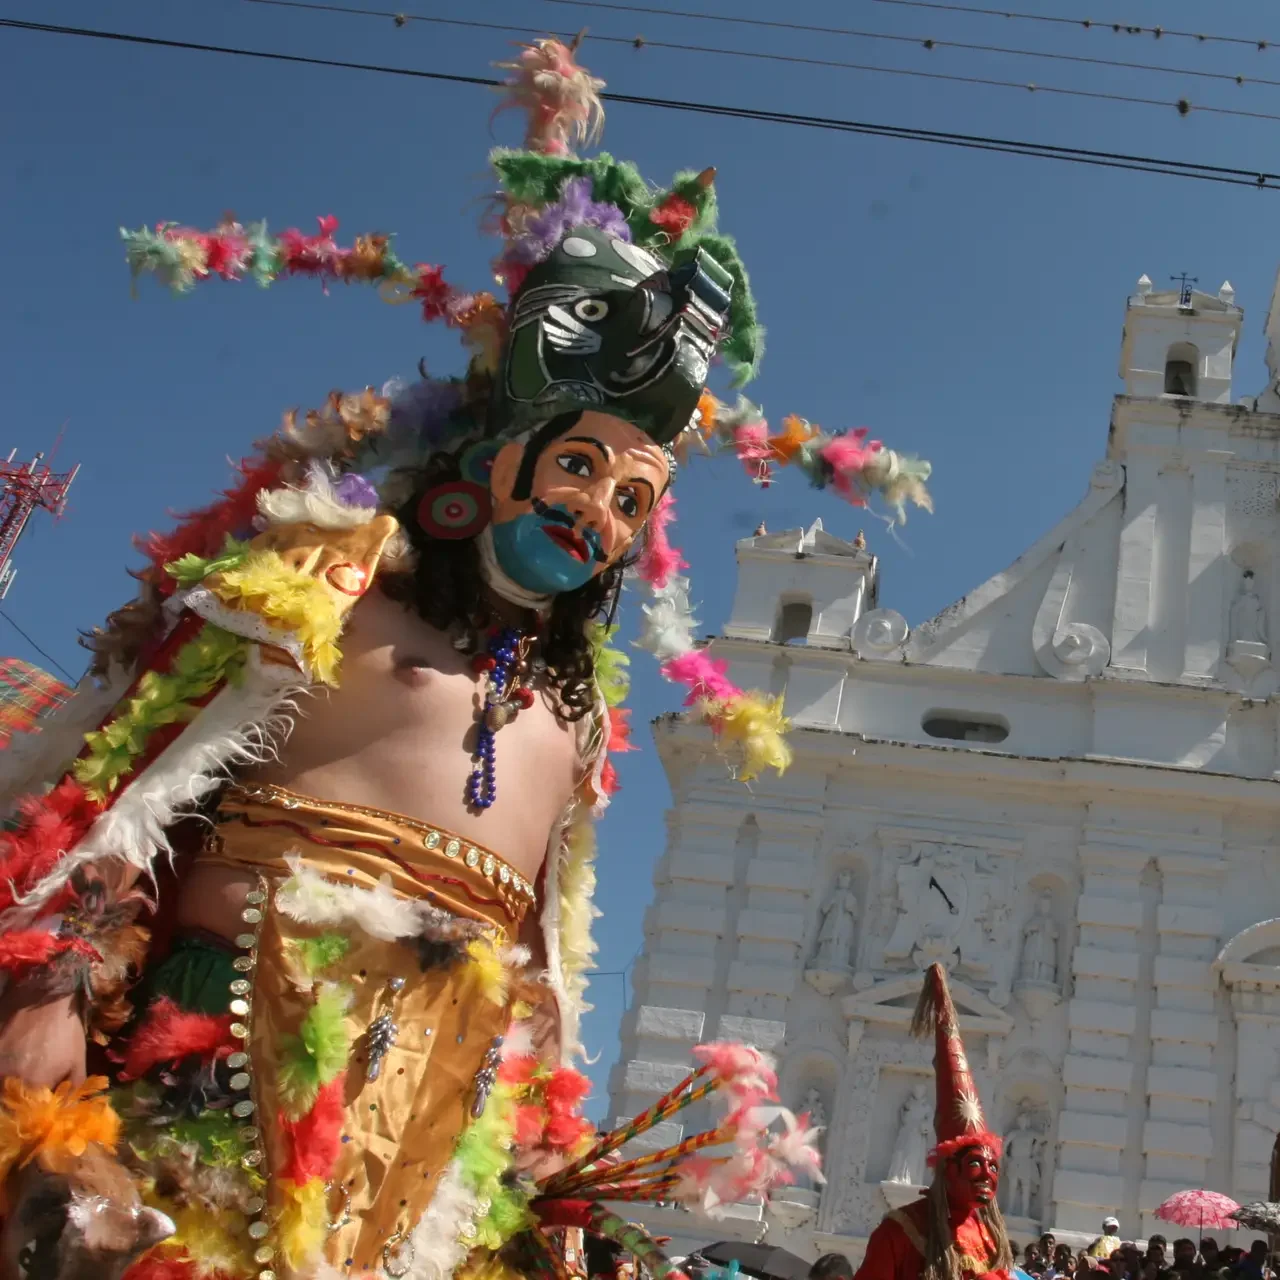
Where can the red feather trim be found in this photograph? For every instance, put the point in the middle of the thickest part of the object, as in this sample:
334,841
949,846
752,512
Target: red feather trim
316,1139
528,1126
620,730
565,1089
675,215
165,1267
170,1034
49,825
203,532
608,779
24,949
565,1213
953,1146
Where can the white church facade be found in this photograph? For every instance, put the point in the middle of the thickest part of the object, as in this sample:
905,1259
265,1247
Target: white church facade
1065,787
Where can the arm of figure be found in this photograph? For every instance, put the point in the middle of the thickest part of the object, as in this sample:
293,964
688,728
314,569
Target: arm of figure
887,1253
42,1025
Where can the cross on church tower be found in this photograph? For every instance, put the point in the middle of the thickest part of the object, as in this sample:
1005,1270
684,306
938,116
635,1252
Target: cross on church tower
1184,283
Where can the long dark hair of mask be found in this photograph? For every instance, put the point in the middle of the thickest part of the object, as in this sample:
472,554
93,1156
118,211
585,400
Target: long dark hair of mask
446,587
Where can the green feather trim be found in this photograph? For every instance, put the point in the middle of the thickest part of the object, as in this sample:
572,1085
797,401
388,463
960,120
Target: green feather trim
316,1054
162,698
483,1154
610,664
315,954
743,350
530,178
192,569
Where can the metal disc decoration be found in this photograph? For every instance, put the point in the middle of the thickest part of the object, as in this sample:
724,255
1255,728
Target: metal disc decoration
454,510
476,461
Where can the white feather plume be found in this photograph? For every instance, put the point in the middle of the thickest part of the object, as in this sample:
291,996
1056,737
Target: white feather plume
669,625
316,502
437,1242
311,899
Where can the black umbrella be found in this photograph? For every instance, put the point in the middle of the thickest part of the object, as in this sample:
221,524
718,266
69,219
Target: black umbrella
763,1260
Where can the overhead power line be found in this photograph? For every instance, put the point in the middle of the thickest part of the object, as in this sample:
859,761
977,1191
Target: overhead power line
1182,105
1088,24
926,42
44,653
1225,174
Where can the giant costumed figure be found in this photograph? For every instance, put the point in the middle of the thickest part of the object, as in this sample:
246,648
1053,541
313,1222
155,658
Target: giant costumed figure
955,1231
317,917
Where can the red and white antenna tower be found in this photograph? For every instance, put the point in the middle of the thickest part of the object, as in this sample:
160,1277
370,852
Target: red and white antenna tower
27,487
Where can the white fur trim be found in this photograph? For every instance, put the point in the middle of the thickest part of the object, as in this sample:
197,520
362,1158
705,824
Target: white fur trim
242,725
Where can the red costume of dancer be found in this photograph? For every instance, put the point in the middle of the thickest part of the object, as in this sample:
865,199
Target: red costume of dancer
972,1244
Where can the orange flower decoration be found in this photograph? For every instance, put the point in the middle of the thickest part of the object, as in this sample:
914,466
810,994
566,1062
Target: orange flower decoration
56,1126
708,411
795,432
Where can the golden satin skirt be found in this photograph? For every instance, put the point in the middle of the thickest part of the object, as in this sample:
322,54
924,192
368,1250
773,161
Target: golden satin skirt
400,1122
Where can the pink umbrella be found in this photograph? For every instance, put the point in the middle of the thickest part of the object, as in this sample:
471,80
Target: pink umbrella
1199,1209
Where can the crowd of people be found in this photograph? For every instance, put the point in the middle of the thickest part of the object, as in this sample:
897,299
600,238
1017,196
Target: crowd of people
1111,1258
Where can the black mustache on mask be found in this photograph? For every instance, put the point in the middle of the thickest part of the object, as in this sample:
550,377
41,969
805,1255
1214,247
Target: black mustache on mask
552,516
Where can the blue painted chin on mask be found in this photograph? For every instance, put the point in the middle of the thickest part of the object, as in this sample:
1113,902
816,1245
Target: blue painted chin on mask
545,554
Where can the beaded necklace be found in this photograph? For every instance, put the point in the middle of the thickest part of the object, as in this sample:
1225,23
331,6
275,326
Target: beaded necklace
504,668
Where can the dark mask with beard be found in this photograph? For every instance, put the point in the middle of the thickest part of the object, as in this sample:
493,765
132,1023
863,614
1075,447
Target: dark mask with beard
603,324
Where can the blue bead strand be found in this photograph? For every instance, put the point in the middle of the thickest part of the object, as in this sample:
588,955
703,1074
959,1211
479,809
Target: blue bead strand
482,786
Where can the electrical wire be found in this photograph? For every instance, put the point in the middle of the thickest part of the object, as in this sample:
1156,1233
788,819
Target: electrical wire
1225,174
924,42
48,657
1089,24
1182,105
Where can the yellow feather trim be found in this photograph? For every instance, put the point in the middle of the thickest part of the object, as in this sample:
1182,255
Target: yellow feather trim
755,723
295,602
487,971
304,1218
577,906
209,1236
486,1266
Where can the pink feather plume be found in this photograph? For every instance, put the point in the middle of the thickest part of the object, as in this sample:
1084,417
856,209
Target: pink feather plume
743,1071
703,675
848,455
659,559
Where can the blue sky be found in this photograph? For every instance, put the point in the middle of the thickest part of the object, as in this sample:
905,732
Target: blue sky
962,305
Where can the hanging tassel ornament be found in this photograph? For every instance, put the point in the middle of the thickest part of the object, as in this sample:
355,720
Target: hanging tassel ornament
505,669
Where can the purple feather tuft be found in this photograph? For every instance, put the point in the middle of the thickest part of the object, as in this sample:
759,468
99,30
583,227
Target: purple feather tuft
421,410
355,491
575,208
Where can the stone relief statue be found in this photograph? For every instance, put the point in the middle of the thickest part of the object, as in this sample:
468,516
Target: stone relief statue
1039,961
1248,614
908,1162
1020,1175
833,952
816,1111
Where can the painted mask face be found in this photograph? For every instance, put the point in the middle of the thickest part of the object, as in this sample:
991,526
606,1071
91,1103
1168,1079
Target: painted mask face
604,325
569,505
973,1175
